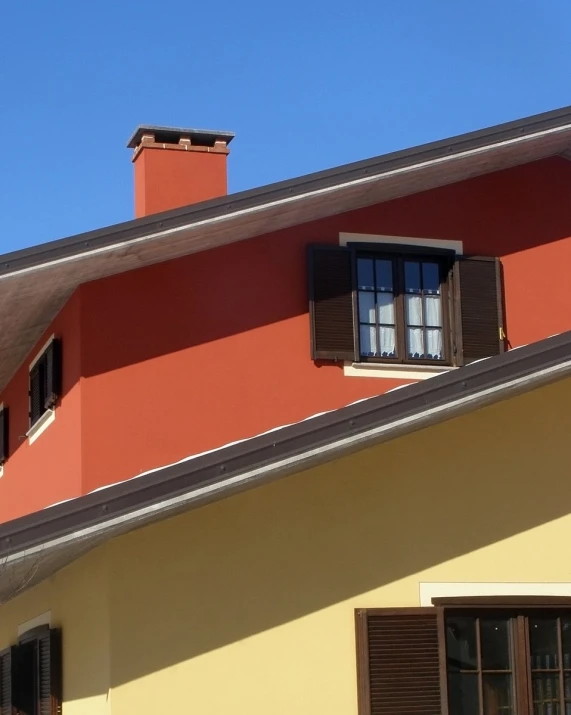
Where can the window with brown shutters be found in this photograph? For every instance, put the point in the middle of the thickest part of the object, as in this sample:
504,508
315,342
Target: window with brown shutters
31,674
397,304
486,659
45,381
4,435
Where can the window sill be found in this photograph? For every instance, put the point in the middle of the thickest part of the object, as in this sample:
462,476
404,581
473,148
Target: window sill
41,425
394,372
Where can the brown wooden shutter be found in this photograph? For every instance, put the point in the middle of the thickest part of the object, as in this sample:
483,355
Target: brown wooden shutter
479,313
52,373
401,662
331,303
50,672
6,682
35,394
3,435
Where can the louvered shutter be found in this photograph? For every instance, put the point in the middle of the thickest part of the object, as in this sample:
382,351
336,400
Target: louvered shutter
36,408
479,314
401,662
6,682
50,672
331,307
52,373
3,435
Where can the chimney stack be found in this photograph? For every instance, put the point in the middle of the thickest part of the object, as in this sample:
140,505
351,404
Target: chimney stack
176,167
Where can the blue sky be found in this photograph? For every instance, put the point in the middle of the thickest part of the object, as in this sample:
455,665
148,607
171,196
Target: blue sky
305,85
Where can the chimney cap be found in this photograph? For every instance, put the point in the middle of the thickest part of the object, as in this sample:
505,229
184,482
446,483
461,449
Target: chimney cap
171,135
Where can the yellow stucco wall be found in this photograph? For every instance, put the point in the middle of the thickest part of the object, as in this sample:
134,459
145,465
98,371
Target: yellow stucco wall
247,605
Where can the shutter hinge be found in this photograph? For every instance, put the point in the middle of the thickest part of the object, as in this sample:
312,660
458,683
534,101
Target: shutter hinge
502,334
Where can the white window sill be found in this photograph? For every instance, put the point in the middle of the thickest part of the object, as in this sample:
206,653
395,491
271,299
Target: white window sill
394,372
41,425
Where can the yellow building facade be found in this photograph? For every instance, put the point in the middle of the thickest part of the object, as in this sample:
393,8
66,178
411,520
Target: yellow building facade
247,605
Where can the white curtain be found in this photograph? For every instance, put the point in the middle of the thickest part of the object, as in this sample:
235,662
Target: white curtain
415,335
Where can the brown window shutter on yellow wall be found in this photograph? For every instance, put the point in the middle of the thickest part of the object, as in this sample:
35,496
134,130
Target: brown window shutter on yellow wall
331,303
6,682
50,675
400,662
479,313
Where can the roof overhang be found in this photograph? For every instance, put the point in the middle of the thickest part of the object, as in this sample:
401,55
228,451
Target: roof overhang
36,546
35,283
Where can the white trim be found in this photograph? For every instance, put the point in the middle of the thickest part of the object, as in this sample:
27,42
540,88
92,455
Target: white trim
456,246
428,590
287,200
41,352
400,372
41,425
44,619
309,458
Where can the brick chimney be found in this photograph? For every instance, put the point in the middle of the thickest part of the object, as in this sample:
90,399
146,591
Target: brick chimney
176,167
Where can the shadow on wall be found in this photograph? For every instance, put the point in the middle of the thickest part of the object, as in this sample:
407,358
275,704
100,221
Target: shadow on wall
268,557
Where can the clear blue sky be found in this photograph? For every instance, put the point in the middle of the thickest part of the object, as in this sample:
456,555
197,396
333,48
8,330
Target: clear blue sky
305,85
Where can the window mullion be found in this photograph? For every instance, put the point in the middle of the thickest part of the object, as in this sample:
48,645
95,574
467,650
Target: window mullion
561,671
400,321
479,661
523,685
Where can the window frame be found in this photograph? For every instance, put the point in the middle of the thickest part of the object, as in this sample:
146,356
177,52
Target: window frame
398,254
520,609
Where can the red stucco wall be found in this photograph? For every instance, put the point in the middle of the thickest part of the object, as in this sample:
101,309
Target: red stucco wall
188,355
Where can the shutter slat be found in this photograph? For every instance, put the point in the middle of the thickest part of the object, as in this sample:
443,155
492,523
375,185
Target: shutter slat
52,373
331,303
403,663
479,312
4,436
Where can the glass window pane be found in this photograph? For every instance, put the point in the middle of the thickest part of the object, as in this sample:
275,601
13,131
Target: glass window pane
498,694
365,275
415,343
566,637
366,307
495,644
543,643
434,343
432,310
461,651
463,694
386,305
431,278
384,274
388,344
545,689
368,339
413,309
567,686
412,277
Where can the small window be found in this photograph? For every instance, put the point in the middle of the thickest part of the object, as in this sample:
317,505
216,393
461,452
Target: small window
402,307
495,660
31,674
45,381
395,304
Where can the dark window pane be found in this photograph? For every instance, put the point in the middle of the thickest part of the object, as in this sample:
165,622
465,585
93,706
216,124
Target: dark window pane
566,636
498,694
545,689
431,277
384,275
366,307
412,277
365,275
368,340
567,686
495,645
463,694
543,643
461,643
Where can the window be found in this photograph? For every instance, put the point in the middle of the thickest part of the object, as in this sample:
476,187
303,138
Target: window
486,659
395,304
3,435
31,674
45,381
402,306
